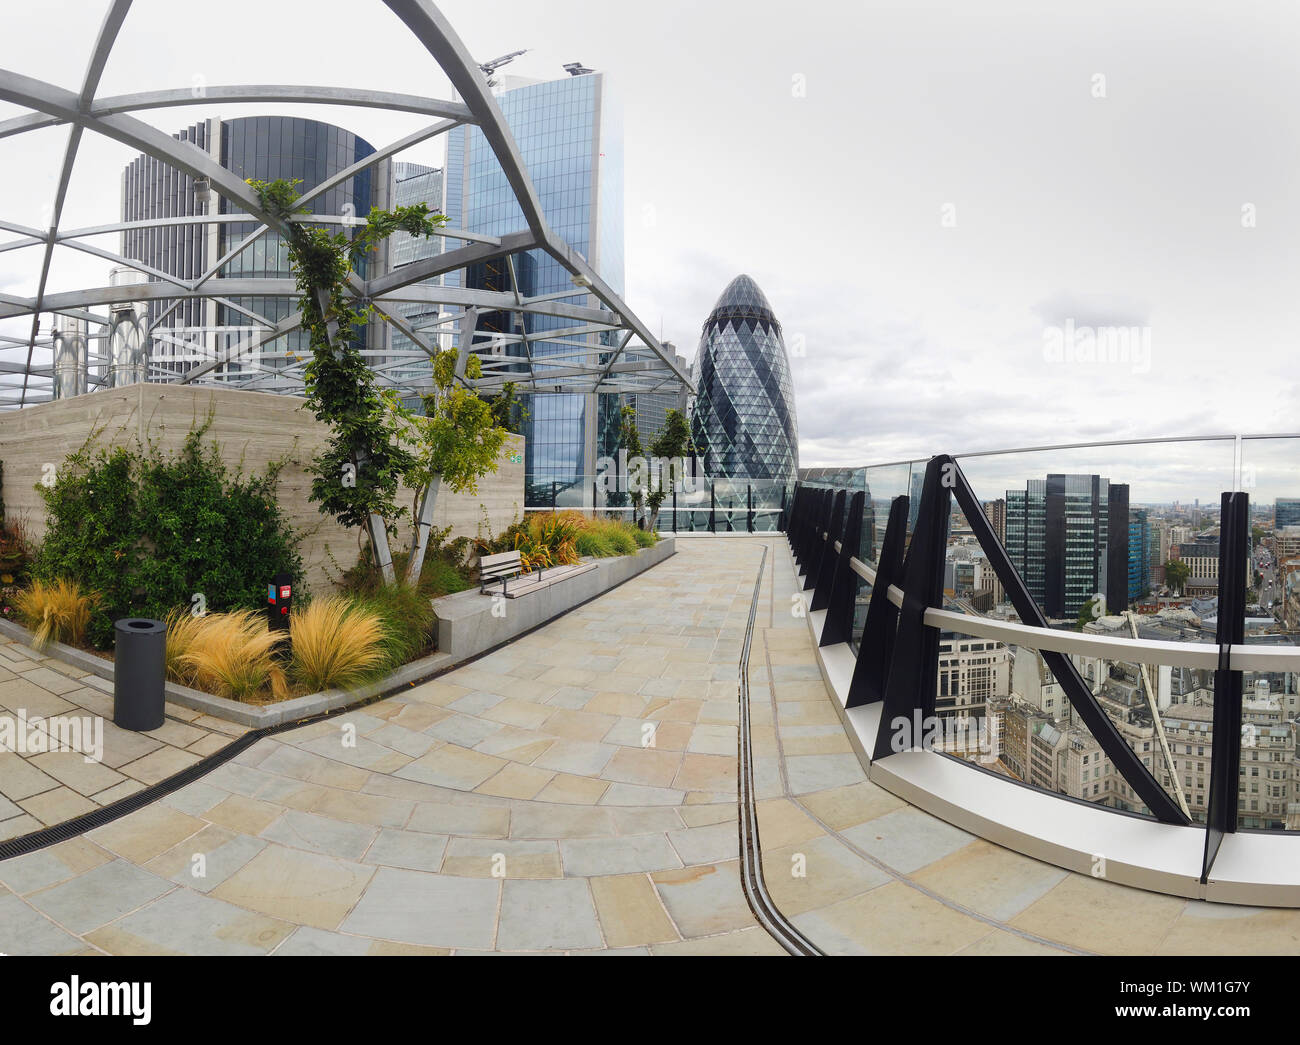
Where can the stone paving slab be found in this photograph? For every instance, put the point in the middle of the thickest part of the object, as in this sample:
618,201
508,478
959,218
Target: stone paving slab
39,788
590,809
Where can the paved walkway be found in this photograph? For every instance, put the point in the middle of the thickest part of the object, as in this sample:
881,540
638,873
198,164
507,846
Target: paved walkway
514,805
39,787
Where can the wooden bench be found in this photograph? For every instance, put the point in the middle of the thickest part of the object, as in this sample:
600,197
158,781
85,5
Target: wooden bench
502,567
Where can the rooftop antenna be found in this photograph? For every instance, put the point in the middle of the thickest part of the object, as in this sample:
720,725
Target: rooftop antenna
491,67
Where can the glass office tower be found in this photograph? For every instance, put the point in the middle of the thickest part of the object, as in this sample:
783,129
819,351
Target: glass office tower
1068,536
1139,574
257,147
744,423
569,135
1286,512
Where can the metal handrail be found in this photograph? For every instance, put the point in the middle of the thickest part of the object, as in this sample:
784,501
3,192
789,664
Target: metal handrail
1214,438
1204,655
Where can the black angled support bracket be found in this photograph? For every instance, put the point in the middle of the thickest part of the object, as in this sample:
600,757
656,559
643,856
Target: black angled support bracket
844,584
1225,751
821,518
876,649
830,557
914,665
799,523
1094,716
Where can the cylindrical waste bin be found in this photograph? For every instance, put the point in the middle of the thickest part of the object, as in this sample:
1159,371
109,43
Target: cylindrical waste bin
139,673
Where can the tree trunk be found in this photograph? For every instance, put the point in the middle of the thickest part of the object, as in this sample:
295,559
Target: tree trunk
379,546
377,530
423,524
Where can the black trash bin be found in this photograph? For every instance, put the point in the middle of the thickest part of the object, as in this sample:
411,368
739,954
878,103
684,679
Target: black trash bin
139,673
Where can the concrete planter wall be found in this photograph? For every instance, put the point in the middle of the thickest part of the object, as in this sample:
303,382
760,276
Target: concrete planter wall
251,429
465,626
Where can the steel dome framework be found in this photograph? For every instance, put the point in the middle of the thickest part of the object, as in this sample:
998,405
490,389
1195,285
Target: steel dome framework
592,337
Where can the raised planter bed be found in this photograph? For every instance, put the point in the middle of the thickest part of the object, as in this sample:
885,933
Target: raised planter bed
468,630
467,627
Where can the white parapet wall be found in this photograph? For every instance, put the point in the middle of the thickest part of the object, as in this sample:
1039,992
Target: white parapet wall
252,429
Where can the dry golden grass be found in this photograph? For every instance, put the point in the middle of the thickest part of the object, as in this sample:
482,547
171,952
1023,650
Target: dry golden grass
183,628
233,655
336,644
57,611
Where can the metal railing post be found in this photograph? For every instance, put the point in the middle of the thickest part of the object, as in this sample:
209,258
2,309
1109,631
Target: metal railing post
876,649
713,506
826,564
1225,750
821,516
795,532
913,668
749,500
844,583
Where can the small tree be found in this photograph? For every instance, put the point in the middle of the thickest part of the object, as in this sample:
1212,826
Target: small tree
1089,611
357,473
1176,574
631,442
672,445
457,441
508,410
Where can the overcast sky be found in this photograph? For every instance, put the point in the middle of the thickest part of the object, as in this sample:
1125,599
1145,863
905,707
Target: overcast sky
930,194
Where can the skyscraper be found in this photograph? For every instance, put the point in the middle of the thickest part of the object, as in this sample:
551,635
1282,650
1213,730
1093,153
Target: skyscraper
1286,512
1068,536
569,134
1139,572
997,516
744,423
188,331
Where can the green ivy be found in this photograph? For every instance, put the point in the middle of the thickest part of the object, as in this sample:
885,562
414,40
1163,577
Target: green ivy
148,531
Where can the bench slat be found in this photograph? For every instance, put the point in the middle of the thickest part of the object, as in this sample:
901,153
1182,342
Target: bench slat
499,558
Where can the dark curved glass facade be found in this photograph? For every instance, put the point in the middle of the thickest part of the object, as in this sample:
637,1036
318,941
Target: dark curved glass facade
257,147
744,422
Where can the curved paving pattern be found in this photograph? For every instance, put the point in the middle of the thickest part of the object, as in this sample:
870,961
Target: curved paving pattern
510,806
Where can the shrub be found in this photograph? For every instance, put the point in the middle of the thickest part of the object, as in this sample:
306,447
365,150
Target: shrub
440,577
408,618
233,655
600,538
557,532
592,542
149,532
57,611
337,643
621,539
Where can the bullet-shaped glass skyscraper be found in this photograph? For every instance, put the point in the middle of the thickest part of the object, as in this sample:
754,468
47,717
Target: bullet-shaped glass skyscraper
744,424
